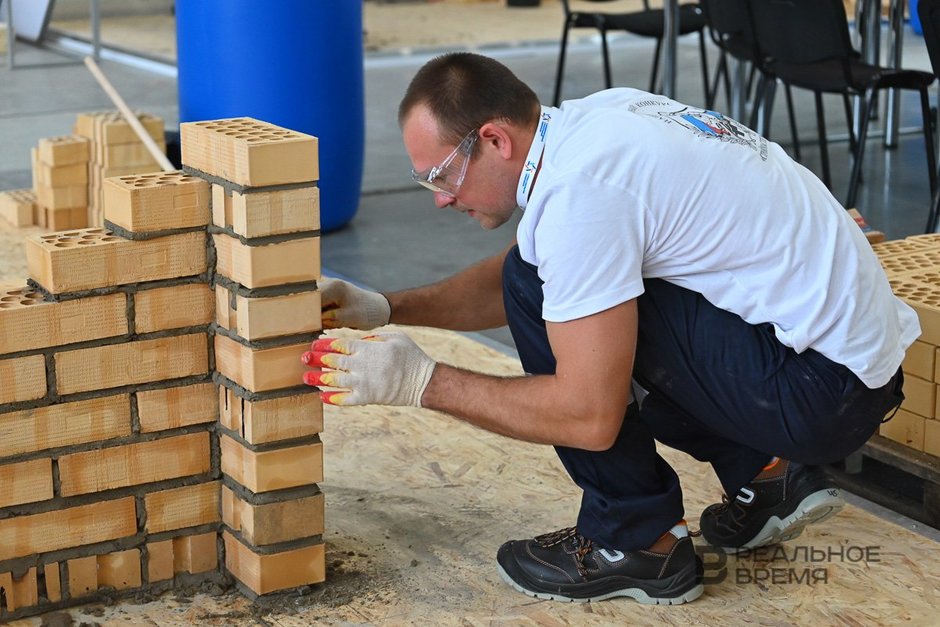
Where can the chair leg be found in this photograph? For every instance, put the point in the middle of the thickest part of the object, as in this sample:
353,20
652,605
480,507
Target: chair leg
928,141
847,102
823,142
765,115
654,73
704,57
794,135
758,100
867,105
719,69
606,52
932,214
556,100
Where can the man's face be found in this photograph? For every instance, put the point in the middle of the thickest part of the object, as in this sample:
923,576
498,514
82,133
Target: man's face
487,192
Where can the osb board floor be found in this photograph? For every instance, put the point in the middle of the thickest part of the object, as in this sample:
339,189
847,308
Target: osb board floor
418,503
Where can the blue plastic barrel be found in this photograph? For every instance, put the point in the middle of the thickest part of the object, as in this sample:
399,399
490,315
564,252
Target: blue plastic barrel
294,63
915,18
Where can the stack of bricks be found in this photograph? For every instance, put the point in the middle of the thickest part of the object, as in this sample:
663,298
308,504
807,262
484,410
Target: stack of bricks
119,468
266,236
913,269
116,150
18,207
60,182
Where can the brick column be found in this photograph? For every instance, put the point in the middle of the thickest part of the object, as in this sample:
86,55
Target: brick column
265,215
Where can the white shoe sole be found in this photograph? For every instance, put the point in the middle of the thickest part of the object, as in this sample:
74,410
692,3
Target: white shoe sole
815,508
635,593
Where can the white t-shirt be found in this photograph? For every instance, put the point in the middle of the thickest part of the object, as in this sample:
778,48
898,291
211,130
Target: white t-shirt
634,185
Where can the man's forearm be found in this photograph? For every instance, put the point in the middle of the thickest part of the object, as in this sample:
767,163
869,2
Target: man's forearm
539,409
470,300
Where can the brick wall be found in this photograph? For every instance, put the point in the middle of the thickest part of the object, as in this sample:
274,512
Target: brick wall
153,427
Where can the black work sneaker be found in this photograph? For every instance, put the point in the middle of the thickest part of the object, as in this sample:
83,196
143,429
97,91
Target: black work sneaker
566,566
771,509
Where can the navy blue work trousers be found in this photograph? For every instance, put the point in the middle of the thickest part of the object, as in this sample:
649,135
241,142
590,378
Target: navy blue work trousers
720,389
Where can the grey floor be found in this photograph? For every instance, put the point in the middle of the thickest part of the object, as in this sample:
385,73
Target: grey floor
398,238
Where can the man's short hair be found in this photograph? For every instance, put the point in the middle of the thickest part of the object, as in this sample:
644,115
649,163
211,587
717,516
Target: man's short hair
463,91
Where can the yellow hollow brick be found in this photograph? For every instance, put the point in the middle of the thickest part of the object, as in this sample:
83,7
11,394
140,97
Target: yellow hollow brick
273,419
110,127
175,407
263,369
83,576
293,261
17,206
195,554
20,592
66,219
67,528
134,464
273,316
249,152
133,363
53,582
91,258
932,437
925,300
25,482
65,424
28,323
22,379
919,360
278,571
126,155
156,202
160,561
119,570
920,396
177,508
174,307
905,428
272,470
273,523
65,197
259,214
62,175
64,150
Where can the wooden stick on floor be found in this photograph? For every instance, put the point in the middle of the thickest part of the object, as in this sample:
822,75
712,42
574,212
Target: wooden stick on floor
145,137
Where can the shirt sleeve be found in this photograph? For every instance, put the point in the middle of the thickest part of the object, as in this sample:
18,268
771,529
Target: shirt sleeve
589,247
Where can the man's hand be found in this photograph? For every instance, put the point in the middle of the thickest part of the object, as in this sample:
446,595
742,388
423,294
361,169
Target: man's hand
384,369
345,305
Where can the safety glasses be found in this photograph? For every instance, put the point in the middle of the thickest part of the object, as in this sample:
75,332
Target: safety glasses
447,177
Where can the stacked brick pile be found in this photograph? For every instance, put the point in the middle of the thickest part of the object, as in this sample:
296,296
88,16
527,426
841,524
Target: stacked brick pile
18,207
266,237
115,150
913,268
119,468
60,182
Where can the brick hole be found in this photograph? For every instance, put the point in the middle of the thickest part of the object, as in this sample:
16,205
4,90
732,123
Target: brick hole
5,306
110,238
9,299
85,242
30,301
13,292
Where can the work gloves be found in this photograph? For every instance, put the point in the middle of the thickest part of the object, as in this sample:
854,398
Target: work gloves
382,369
345,305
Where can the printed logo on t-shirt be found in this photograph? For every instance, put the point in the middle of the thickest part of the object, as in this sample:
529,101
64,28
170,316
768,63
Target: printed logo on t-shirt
702,122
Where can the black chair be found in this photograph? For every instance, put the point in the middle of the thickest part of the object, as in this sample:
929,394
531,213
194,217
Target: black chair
730,29
929,13
805,43
646,23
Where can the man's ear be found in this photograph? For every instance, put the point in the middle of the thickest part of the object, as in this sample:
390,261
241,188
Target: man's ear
497,136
